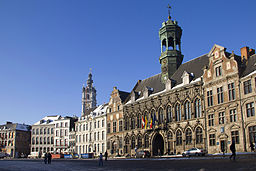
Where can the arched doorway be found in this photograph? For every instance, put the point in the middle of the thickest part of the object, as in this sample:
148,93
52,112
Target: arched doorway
158,145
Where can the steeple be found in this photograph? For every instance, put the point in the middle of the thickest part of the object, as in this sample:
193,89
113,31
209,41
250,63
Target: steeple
88,95
171,56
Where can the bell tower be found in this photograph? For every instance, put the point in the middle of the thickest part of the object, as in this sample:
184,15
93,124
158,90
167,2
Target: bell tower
88,95
171,56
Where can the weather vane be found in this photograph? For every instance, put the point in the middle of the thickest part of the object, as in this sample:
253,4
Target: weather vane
169,11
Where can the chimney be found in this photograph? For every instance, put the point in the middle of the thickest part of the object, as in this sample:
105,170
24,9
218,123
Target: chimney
8,122
245,53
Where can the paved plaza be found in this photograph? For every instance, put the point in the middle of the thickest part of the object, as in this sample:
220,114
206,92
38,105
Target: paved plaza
172,164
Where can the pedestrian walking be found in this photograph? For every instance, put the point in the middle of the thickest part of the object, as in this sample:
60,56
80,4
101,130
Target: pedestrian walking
252,147
45,158
106,156
49,158
233,150
101,160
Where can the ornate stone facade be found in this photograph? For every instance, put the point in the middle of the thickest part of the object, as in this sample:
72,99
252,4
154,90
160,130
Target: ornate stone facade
115,122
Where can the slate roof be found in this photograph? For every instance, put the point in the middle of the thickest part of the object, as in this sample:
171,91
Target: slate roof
194,66
87,112
251,66
15,126
123,95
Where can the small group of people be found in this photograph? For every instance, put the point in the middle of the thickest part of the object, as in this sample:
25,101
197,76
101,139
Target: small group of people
253,147
101,158
47,158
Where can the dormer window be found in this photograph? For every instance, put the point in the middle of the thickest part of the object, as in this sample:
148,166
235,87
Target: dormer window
218,71
186,77
147,91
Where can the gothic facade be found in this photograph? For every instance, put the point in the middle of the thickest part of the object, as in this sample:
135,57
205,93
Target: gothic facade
207,102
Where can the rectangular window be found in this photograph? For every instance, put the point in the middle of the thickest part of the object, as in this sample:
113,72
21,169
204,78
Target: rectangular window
120,126
212,140
114,126
98,124
102,136
86,126
231,92
221,117
235,136
232,114
211,119
209,98
95,124
102,123
250,109
247,87
252,133
218,71
108,128
220,95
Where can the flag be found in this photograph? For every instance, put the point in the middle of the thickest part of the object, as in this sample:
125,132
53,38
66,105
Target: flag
143,122
146,122
151,123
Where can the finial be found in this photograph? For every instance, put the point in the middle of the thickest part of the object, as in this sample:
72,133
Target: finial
169,11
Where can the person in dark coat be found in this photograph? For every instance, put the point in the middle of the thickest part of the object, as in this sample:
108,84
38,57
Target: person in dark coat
101,160
45,158
252,146
233,150
106,155
49,158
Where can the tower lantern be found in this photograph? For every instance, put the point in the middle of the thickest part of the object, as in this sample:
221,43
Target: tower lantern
171,56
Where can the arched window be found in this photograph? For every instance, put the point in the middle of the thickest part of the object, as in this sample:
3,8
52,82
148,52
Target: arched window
197,108
41,140
153,116
146,140
139,142
44,130
187,110
48,131
169,135
51,130
41,131
169,114
126,144
44,140
133,142
48,140
178,112
33,131
178,138
161,116
188,136
139,121
36,140
51,140
132,123
199,135
33,140
37,131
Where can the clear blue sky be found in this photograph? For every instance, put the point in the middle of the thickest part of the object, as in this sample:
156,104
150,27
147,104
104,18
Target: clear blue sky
48,46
